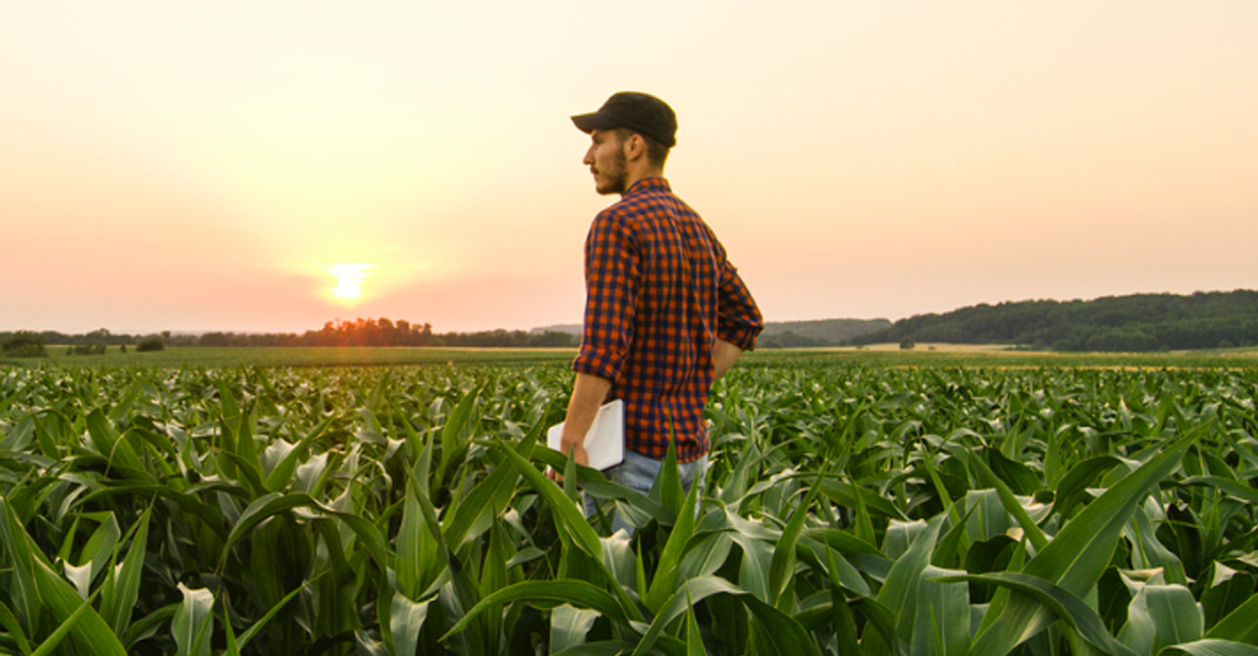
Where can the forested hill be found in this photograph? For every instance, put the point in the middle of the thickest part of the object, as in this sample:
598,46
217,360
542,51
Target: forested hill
819,332
1141,322
786,334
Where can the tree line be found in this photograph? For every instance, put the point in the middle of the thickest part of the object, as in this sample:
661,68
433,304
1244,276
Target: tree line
384,332
358,332
1135,323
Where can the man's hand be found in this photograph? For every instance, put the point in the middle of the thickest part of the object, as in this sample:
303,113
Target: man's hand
574,450
588,393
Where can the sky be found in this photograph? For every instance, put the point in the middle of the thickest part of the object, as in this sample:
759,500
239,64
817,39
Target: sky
268,166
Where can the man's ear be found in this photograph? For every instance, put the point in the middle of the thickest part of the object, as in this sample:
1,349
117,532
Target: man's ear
634,147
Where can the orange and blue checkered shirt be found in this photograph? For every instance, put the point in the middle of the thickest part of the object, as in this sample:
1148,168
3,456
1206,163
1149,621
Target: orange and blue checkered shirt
659,292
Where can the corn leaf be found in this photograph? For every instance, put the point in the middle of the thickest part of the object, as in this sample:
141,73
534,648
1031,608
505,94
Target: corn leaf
193,623
1079,553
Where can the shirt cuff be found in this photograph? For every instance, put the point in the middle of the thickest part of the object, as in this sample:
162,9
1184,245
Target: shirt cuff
744,337
596,362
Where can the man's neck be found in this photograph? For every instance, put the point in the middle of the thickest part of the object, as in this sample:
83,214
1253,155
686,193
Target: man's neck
637,174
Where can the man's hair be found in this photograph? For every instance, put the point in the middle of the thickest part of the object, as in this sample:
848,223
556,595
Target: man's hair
656,152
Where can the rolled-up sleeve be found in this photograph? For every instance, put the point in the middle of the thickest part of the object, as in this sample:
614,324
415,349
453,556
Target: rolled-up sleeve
611,285
738,318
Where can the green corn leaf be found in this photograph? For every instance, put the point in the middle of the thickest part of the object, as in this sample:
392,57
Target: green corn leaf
1210,647
418,559
119,595
262,622
667,488
663,585
230,408
486,501
899,592
753,569
782,569
787,635
601,648
281,475
737,483
549,594
262,509
844,621
495,576
233,647
187,502
1149,552
987,515
118,452
846,494
193,623
249,471
1078,555
836,565
452,446
99,549
1072,490
1227,589
50,644
368,646
1160,616
1020,478
1057,601
942,617
38,583
406,620
1012,505
10,622
571,522
569,625
372,537
694,639
706,554
1239,625
150,624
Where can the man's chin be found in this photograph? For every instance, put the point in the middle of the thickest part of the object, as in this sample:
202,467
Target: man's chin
609,187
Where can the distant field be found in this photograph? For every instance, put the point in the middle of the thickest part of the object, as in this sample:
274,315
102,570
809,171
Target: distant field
969,355
964,355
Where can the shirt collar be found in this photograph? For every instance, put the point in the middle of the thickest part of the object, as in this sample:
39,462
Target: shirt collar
648,184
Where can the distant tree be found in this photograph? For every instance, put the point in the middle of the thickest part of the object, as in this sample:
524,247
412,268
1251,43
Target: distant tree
553,338
214,339
151,343
907,344
24,344
91,348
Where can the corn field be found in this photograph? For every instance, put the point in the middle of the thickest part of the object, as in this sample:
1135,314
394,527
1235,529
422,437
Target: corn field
848,509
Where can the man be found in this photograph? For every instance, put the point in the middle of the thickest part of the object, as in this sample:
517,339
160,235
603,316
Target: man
665,314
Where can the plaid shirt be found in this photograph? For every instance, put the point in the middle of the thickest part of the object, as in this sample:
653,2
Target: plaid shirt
659,291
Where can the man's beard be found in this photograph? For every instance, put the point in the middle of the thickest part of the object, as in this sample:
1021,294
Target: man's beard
617,178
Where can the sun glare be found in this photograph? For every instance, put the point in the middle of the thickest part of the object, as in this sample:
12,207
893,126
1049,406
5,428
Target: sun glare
349,280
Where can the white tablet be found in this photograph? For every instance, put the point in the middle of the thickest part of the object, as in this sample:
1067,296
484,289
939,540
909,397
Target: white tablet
605,442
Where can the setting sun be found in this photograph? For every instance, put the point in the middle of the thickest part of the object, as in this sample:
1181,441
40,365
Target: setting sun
349,280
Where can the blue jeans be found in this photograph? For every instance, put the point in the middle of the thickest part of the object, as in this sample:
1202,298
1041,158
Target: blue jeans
638,473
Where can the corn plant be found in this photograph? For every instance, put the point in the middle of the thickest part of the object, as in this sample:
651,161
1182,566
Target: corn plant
848,509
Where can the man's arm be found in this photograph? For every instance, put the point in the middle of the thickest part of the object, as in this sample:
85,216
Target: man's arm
588,393
724,355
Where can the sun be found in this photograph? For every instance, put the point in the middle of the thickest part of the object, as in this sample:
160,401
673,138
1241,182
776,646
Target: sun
349,280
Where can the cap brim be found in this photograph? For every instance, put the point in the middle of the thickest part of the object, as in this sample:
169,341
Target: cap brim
588,123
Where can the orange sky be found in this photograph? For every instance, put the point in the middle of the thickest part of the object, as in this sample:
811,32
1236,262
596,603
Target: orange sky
198,166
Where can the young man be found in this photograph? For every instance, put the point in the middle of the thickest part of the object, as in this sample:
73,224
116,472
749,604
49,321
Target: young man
665,313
